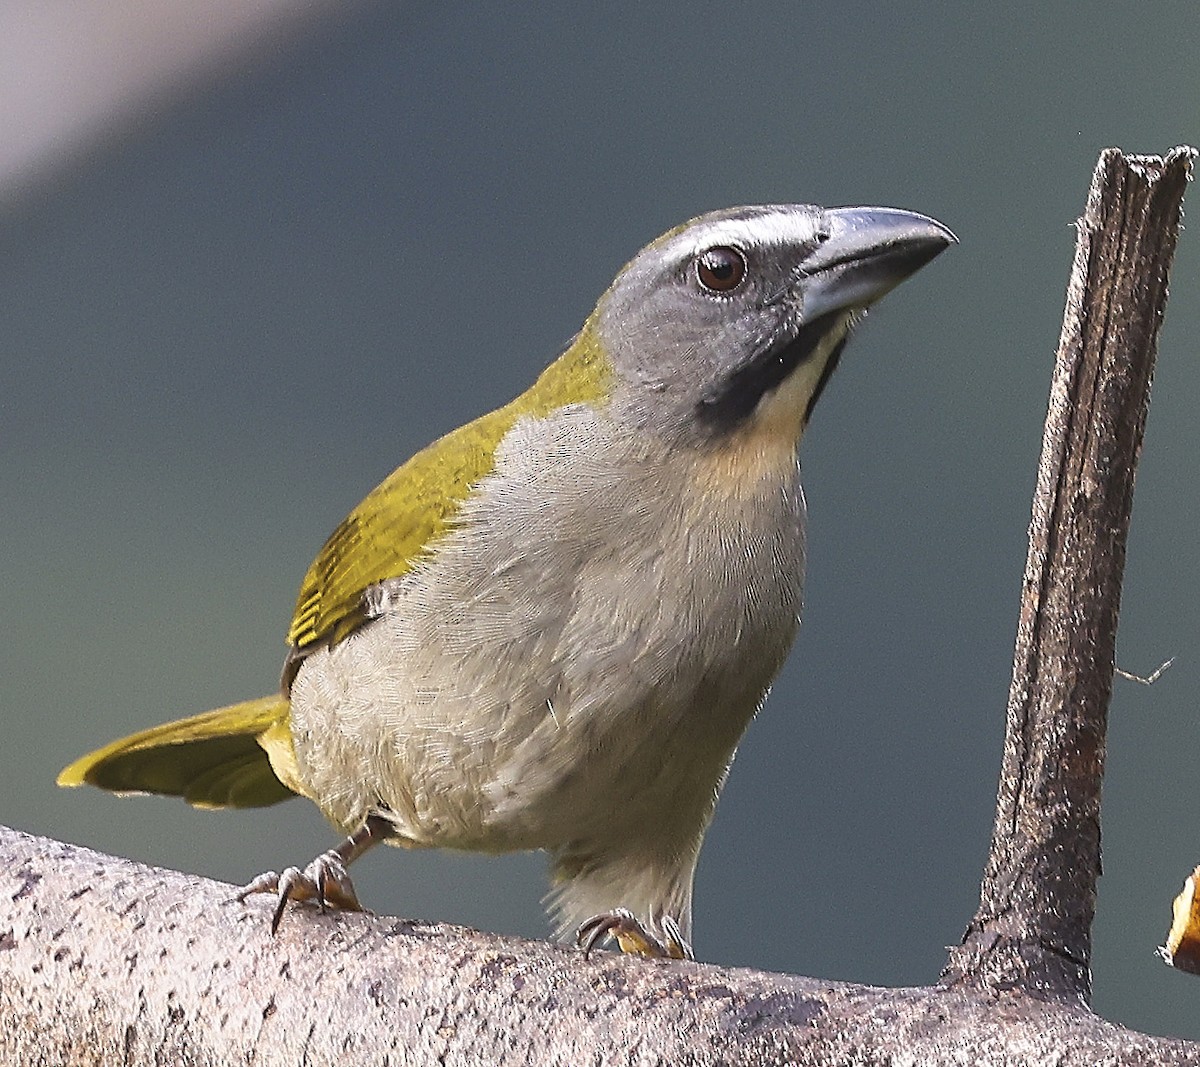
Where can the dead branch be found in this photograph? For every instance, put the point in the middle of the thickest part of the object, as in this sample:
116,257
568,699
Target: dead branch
1033,929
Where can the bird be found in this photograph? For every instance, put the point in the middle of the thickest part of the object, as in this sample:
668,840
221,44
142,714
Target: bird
549,629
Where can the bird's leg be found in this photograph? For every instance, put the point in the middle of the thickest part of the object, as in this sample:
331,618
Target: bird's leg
631,935
326,879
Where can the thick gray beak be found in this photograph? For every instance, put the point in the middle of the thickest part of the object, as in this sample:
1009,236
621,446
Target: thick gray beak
867,253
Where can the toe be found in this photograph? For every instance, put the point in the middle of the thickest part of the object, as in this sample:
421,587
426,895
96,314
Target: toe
632,936
594,930
267,882
325,880
332,884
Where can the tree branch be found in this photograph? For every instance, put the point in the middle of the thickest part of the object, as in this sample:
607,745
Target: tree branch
105,961
1033,927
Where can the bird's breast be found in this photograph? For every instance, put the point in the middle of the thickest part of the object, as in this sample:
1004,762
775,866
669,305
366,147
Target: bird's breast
602,622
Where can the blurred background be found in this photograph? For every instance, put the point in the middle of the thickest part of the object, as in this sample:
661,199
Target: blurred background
254,254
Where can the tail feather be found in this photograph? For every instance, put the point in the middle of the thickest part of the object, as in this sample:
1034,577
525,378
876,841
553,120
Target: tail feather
213,760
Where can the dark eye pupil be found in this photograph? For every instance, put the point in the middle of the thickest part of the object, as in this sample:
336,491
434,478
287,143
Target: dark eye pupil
720,269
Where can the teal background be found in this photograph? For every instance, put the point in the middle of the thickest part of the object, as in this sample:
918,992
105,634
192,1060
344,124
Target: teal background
221,329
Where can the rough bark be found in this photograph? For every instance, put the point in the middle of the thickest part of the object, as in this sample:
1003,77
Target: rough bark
104,961
1033,927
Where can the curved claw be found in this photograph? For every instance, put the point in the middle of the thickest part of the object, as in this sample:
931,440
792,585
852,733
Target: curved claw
632,935
325,880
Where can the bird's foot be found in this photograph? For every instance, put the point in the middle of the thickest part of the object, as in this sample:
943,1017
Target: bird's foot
325,880
631,935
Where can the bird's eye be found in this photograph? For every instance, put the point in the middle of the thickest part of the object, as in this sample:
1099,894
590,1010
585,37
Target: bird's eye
720,269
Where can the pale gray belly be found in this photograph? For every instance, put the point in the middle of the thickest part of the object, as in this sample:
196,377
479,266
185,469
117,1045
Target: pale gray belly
583,668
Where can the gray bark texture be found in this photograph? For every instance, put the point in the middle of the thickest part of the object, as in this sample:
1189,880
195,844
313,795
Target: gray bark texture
1034,923
103,961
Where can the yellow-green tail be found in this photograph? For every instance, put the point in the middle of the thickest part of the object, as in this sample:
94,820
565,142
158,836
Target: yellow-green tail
234,757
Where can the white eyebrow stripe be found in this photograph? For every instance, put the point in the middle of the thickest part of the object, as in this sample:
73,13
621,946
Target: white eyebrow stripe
777,228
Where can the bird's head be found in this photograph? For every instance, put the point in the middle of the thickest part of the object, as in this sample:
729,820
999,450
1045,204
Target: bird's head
734,321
